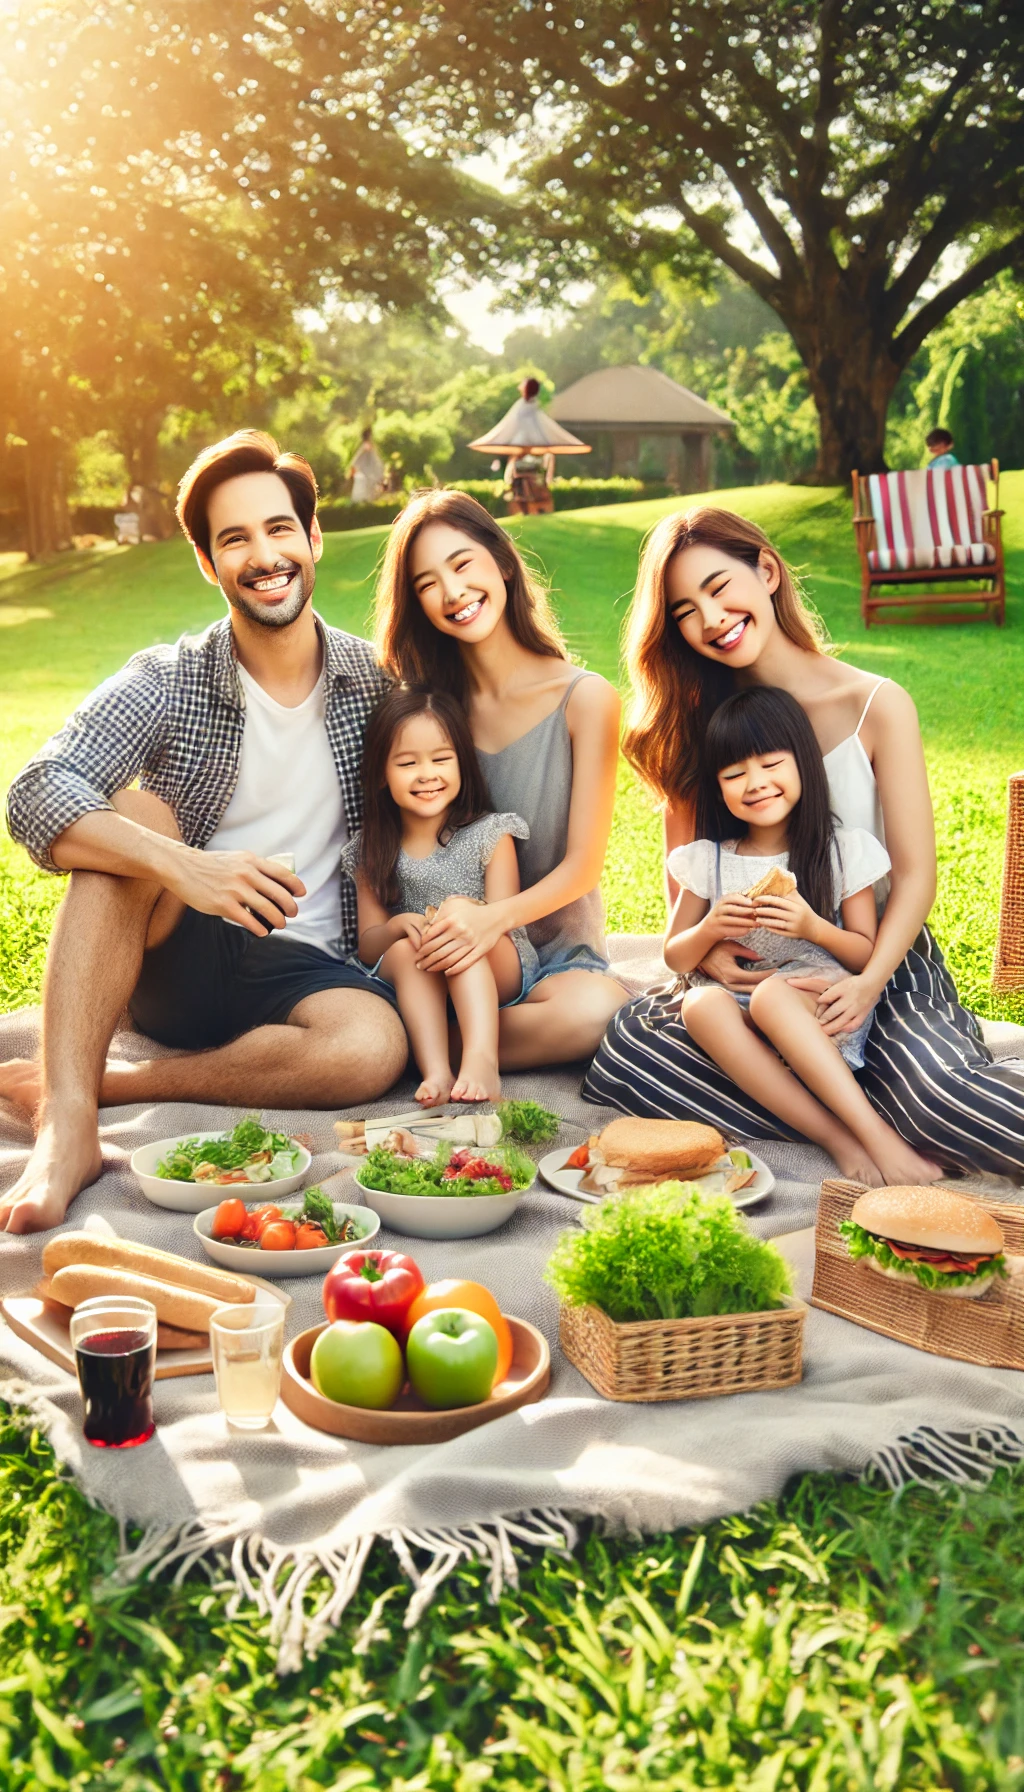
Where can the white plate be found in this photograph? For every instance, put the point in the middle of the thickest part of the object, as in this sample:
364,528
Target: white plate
442,1216
193,1197
567,1182
246,1261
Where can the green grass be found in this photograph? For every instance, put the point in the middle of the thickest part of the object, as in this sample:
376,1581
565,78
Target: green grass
837,1640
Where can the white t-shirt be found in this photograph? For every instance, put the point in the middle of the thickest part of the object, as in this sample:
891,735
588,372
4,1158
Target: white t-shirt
288,799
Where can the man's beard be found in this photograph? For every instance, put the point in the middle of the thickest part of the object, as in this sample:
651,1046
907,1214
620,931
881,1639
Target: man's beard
279,615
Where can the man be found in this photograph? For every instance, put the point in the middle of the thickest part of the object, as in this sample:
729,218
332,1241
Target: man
208,900
939,444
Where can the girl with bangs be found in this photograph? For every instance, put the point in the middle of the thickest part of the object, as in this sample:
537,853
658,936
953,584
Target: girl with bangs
459,612
718,611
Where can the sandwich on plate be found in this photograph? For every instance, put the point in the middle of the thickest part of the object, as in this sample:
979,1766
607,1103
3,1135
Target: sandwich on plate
634,1153
945,1243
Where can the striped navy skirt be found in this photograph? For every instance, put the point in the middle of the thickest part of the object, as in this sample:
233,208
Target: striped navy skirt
926,1070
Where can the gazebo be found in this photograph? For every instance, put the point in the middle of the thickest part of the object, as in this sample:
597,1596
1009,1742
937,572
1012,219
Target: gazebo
625,404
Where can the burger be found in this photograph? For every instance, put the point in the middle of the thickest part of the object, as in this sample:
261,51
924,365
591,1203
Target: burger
634,1153
941,1241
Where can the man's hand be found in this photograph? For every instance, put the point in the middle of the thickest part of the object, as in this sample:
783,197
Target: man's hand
461,933
843,1006
729,963
257,893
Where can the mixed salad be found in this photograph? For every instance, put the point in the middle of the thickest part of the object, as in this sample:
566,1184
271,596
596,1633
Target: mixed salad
446,1171
246,1154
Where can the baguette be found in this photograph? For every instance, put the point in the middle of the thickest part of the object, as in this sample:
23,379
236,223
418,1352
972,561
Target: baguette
180,1307
139,1259
775,882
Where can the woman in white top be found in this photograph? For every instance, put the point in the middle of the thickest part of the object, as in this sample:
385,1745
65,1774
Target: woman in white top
366,471
717,609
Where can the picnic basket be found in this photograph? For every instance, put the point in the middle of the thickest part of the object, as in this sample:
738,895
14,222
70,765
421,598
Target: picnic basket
685,1359
988,1331
1008,972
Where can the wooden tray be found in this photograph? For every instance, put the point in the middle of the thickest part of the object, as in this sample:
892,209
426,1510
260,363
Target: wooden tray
46,1324
410,1422
988,1331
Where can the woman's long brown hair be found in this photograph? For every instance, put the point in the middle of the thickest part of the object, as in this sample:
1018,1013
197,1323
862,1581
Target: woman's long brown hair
675,690
408,646
381,840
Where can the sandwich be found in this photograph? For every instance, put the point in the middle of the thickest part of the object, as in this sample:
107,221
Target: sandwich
775,882
941,1241
634,1153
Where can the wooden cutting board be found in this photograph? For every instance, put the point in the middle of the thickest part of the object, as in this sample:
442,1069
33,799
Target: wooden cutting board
46,1325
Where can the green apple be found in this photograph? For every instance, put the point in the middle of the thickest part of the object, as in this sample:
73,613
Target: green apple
357,1363
452,1356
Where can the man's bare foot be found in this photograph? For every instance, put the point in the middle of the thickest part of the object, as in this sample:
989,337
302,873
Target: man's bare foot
478,1079
65,1159
21,1082
436,1088
900,1164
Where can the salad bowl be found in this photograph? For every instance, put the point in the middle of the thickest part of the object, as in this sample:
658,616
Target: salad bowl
418,1199
250,1260
441,1216
193,1197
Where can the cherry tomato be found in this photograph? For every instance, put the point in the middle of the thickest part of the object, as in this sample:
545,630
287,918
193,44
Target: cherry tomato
229,1219
258,1218
278,1236
578,1159
310,1236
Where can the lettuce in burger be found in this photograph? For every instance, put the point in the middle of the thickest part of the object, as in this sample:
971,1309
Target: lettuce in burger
943,1242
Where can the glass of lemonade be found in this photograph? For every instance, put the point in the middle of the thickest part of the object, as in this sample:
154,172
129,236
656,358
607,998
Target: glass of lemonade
247,1344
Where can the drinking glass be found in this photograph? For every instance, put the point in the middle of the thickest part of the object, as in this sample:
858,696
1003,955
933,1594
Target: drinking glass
114,1341
247,1344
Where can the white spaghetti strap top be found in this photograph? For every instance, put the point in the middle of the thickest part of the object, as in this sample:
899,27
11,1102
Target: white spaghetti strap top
851,779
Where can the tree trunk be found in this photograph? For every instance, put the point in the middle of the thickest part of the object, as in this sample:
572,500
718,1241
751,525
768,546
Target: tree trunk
47,521
852,376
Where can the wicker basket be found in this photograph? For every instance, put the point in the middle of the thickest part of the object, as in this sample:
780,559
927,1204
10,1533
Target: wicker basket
988,1330
1008,971
685,1359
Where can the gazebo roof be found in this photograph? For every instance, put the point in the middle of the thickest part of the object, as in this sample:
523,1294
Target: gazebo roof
637,399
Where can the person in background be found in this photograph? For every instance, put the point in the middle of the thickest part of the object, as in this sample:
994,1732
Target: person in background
366,471
939,444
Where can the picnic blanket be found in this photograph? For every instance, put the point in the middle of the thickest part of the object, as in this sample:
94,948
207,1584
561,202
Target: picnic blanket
287,1517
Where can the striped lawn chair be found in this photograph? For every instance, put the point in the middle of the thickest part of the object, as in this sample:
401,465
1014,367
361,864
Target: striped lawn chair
930,528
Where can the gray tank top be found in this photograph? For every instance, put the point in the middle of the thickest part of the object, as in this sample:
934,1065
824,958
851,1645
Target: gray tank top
532,776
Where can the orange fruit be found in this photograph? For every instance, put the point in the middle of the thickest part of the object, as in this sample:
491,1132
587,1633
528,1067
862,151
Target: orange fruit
475,1299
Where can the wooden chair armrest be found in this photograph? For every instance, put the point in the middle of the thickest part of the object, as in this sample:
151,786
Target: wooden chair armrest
986,513
861,522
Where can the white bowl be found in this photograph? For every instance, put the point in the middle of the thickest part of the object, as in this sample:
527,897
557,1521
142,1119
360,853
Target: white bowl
193,1197
247,1261
442,1216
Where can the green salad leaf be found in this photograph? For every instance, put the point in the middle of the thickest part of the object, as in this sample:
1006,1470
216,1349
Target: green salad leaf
395,1175
528,1122
860,1244
667,1252
233,1151
319,1208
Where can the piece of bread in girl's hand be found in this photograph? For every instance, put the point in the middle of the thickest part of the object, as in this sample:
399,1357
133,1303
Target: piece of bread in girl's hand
775,882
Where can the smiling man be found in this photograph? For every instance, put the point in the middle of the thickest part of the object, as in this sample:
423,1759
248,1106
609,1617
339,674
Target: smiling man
208,899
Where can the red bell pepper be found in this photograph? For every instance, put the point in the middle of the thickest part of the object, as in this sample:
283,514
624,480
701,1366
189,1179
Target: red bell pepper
376,1285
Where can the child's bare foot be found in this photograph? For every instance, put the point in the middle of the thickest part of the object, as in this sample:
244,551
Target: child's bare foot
853,1161
65,1159
902,1164
478,1079
436,1088
21,1082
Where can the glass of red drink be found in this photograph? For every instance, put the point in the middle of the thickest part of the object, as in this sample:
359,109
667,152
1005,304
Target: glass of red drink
114,1341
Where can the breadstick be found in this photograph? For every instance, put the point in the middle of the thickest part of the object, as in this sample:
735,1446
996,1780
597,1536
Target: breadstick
181,1307
140,1259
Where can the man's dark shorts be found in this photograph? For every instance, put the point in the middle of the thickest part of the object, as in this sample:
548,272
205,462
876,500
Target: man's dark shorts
210,981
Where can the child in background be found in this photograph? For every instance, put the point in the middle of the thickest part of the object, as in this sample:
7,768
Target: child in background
429,836
939,444
763,802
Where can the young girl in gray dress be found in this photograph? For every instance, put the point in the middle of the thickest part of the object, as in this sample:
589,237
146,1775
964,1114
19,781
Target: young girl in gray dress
428,834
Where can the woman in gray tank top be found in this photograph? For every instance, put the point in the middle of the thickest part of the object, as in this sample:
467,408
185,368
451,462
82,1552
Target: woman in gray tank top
457,610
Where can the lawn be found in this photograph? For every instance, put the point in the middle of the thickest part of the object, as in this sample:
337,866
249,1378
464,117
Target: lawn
837,1640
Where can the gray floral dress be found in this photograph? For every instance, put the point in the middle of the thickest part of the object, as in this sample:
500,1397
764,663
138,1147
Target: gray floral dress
453,869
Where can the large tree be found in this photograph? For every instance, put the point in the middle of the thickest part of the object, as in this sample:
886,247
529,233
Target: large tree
859,163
